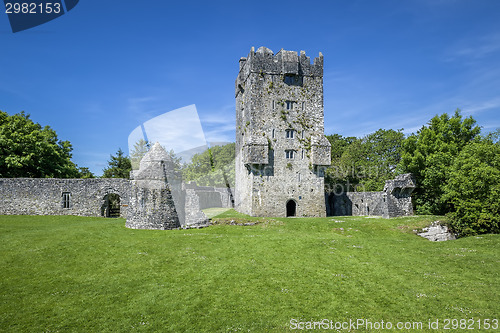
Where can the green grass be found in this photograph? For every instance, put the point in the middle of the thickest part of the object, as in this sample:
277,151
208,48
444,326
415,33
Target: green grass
75,274
211,212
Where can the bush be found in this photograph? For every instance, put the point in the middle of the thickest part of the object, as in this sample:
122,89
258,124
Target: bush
473,189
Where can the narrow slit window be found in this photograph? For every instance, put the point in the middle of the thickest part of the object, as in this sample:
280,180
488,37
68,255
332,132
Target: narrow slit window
273,133
66,197
289,133
289,154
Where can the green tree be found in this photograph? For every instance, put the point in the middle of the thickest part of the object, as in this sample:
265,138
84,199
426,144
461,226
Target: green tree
176,163
29,150
213,167
140,149
119,166
339,144
473,188
364,164
85,172
429,155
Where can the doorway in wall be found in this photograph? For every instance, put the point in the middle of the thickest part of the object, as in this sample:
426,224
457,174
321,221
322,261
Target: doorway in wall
291,208
111,205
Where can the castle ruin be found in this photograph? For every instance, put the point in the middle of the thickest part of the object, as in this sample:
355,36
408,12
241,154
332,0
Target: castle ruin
281,149
281,156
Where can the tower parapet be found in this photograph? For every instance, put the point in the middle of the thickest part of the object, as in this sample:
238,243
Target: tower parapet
264,61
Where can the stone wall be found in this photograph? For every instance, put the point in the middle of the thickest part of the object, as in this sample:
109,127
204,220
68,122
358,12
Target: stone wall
210,196
393,201
44,196
194,217
398,193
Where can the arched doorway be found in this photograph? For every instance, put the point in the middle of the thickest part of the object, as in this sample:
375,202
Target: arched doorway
291,208
111,205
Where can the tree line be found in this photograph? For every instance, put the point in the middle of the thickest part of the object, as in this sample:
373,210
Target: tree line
456,167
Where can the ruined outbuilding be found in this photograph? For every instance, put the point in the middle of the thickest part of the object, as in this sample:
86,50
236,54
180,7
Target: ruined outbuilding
158,198
393,201
151,202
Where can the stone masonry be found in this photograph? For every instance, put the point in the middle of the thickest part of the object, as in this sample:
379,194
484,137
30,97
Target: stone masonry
48,196
151,203
281,149
158,199
153,199
393,201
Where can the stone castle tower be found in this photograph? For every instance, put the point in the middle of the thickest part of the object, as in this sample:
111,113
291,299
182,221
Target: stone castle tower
281,149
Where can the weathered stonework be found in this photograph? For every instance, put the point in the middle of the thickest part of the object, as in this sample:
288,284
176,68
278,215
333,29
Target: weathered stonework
393,201
48,196
193,216
158,199
210,196
280,145
398,192
153,199
151,203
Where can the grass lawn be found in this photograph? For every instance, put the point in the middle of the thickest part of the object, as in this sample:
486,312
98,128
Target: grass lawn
77,274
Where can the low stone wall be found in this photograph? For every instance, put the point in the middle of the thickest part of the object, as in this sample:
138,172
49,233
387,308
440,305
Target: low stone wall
210,197
357,204
393,201
49,196
368,203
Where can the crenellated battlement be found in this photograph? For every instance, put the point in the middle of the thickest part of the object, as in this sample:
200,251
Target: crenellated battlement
284,62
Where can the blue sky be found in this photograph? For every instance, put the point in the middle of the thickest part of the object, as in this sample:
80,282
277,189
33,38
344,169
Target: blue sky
106,67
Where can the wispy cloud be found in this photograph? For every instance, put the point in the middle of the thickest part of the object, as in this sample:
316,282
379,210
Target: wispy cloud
481,106
474,48
219,123
144,107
